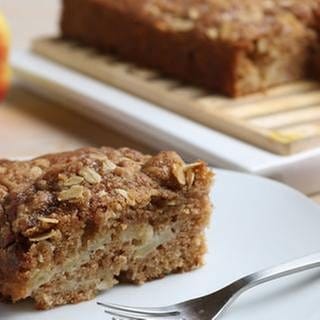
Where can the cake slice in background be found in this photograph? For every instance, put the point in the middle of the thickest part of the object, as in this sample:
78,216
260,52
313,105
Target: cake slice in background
73,224
232,47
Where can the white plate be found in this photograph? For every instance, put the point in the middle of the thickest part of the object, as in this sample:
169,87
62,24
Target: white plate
159,127
257,223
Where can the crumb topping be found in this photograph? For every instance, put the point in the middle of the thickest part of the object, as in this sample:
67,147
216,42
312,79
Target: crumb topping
230,20
41,198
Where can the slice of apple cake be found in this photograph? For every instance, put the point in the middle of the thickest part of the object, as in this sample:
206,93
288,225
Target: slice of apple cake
75,223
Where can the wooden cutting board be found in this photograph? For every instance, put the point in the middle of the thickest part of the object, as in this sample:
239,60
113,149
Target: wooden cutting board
283,120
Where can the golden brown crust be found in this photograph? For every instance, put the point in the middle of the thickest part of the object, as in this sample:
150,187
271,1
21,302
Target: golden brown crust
72,204
233,47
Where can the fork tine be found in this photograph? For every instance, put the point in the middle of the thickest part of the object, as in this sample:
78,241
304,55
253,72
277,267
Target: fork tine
122,315
141,312
130,318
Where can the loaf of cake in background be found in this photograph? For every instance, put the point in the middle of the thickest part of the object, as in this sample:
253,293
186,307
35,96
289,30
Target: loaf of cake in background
4,53
233,47
73,224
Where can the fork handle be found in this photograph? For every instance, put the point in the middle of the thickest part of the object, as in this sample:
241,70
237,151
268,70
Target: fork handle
306,263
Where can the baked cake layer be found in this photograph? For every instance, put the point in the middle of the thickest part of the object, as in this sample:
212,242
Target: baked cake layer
73,224
230,46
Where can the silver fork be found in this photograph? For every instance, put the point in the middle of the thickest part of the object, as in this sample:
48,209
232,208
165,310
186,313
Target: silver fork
211,306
